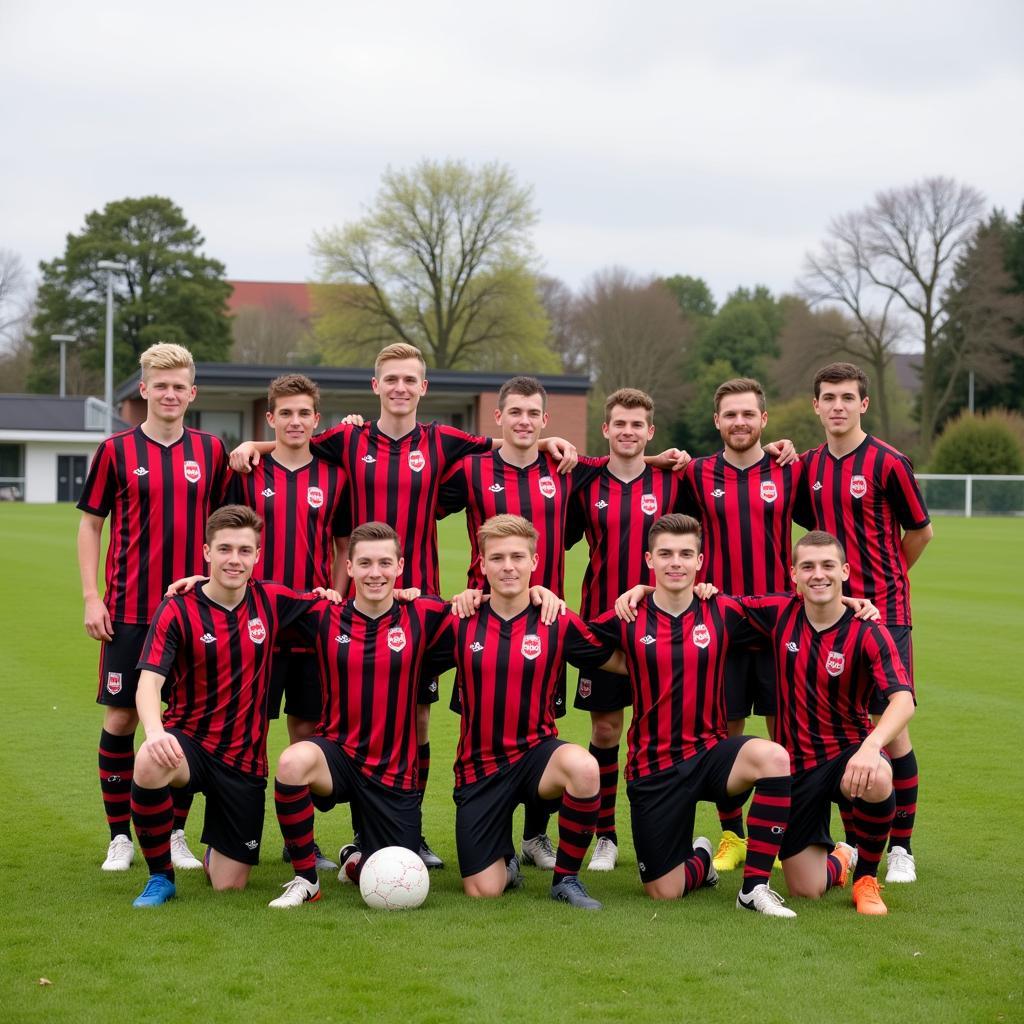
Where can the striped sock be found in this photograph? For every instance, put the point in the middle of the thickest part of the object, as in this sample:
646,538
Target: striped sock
116,765
905,785
577,819
294,807
182,805
730,814
766,822
696,868
846,816
833,871
153,817
873,823
608,762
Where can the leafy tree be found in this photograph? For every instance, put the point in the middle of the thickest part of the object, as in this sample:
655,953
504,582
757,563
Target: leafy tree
979,444
744,332
442,260
692,293
170,291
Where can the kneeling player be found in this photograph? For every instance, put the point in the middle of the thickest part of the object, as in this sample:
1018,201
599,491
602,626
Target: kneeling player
212,646
363,752
509,664
679,750
830,664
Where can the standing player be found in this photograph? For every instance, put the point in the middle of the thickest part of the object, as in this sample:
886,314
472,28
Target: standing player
394,468
509,664
363,752
157,482
304,507
521,479
679,749
830,664
744,500
863,492
614,511
211,649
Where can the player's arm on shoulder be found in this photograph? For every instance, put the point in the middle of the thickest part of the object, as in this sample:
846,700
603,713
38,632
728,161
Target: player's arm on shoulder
248,454
563,450
674,459
551,605
862,608
626,604
783,451
183,586
97,617
914,542
466,602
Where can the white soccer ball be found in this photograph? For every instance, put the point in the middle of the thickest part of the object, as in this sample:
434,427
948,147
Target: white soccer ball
394,878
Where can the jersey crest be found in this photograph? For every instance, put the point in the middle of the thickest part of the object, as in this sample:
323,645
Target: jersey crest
193,473
835,663
649,504
531,647
858,486
769,492
417,460
113,682
315,497
257,631
396,638
546,486
701,635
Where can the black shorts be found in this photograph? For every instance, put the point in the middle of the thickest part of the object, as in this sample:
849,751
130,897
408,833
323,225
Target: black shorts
597,690
455,704
427,691
877,703
663,806
483,809
295,675
810,808
749,682
387,817
233,823
119,665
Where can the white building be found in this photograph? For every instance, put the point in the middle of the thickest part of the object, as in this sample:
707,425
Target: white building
46,444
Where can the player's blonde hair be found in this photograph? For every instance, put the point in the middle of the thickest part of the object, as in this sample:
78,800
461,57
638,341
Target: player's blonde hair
399,350
165,356
506,525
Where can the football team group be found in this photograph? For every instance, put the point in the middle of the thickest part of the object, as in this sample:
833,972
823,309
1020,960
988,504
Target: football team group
305,570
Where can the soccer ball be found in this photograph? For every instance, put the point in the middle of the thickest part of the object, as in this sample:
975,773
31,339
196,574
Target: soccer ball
394,878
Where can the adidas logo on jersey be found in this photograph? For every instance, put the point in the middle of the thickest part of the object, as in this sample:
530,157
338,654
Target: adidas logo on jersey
140,471
718,493
495,488
647,639
208,638
792,647
476,647
601,504
267,492
343,638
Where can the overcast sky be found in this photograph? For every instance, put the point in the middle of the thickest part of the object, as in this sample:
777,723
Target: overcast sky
666,137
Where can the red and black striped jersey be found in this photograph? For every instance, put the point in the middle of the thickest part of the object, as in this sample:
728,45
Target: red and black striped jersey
508,673
746,518
615,516
487,485
864,498
824,679
303,511
676,665
369,677
396,480
158,498
217,663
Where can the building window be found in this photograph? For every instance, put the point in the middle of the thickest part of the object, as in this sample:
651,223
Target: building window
12,472
225,424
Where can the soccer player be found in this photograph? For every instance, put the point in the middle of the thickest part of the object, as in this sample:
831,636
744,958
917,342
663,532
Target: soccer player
394,468
614,511
157,482
211,649
304,506
744,500
509,663
830,664
363,752
521,479
863,492
679,749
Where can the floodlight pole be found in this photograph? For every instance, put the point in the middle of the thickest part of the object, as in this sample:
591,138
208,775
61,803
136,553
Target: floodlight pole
108,356
63,340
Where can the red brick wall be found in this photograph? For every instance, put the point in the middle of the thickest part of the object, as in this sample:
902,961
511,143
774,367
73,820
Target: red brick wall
567,417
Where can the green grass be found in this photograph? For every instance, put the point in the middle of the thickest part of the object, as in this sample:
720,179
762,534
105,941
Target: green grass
949,950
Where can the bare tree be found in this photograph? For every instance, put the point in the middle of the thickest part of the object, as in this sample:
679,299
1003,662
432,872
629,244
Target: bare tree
564,337
15,298
634,334
268,335
890,265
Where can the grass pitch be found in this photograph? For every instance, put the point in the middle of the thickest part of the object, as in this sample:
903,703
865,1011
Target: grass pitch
949,950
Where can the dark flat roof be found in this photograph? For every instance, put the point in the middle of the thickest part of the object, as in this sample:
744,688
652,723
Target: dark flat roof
344,378
46,412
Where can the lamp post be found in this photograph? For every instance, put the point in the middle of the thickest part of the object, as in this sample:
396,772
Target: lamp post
63,340
111,268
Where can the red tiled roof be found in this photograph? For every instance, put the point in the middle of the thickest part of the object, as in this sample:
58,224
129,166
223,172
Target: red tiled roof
270,294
